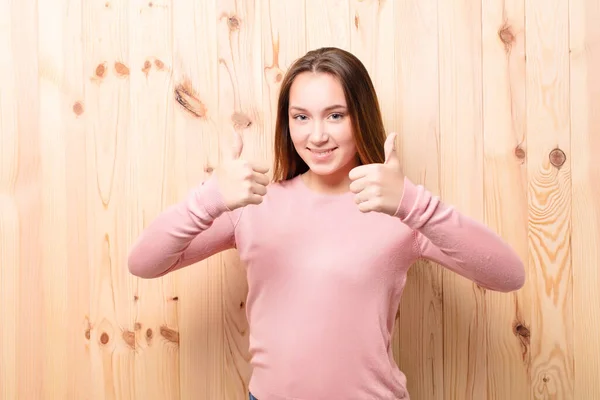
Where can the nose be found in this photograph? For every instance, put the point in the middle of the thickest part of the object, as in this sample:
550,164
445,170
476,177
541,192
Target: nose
318,135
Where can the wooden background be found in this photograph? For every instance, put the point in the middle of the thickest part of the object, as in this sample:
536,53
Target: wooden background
111,109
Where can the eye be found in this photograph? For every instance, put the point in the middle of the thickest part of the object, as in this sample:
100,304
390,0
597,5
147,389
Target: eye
337,116
300,117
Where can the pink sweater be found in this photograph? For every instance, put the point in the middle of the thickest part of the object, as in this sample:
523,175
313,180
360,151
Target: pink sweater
324,279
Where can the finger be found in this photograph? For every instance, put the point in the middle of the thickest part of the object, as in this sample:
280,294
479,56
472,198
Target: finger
261,179
361,197
255,199
259,189
390,148
260,167
359,185
237,146
361,171
367,206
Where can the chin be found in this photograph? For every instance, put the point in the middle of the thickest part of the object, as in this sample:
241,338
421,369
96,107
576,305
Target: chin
327,166
324,170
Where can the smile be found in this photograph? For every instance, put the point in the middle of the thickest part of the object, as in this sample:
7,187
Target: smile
322,152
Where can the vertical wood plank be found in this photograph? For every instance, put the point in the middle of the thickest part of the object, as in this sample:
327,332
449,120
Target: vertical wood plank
461,167
25,188
107,98
10,260
327,24
150,182
78,329
196,130
504,115
61,131
420,345
585,169
549,171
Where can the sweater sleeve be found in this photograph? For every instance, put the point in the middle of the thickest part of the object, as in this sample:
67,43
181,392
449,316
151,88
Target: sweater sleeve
185,233
458,242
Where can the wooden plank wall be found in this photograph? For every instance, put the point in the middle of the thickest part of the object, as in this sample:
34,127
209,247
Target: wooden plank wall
498,106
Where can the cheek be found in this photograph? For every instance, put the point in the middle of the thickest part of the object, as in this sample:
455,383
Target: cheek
299,134
342,134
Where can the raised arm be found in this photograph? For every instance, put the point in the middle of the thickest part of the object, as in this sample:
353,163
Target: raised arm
458,242
185,233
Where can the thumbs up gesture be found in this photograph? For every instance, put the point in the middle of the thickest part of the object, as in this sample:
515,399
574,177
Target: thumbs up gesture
379,187
241,182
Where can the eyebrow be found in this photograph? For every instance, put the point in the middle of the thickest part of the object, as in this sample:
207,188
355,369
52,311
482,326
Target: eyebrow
333,107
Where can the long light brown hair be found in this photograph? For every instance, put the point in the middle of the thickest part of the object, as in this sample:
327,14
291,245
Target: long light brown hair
363,108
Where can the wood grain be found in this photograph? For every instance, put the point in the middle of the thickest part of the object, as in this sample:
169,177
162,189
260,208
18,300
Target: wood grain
9,208
505,190
585,194
419,338
549,171
461,177
146,69
112,110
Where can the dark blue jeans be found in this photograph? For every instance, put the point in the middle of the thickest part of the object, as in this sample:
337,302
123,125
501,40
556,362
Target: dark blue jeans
252,397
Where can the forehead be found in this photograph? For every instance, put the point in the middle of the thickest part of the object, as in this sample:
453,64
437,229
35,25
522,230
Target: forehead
316,90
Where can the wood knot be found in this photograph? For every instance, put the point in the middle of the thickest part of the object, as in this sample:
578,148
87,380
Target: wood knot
519,152
186,98
233,22
208,169
522,330
100,70
149,333
545,379
169,334
356,20
77,108
137,326
104,338
557,157
278,77
129,338
242,304
159,64
122,69
506,35
135,297
241,120
175,298
87,334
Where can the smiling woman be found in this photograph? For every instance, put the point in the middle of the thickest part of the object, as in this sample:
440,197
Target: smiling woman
328,120
328,244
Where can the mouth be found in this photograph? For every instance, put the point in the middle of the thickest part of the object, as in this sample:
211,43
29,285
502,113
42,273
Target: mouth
321,152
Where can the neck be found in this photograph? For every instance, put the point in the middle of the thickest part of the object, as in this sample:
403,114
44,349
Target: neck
335,183
329,184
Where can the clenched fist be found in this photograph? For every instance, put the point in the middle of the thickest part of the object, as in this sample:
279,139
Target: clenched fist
241,182
379,187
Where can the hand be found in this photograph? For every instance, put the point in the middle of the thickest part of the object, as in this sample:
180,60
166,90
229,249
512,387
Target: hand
379,187
241,182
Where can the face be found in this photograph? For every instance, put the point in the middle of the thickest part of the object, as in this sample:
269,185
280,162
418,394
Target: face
320,126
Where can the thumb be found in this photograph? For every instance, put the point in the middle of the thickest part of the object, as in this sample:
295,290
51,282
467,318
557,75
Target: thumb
237,146
390,149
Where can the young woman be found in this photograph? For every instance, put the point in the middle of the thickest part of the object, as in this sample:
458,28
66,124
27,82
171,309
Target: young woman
328,242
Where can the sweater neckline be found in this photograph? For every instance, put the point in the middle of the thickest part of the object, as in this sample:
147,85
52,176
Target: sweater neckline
301,185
